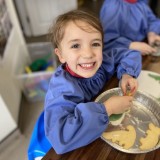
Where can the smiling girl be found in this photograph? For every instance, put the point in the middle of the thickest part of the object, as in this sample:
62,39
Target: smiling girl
71,118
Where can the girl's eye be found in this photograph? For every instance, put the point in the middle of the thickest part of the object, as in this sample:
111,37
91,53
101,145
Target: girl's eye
96,44
75,46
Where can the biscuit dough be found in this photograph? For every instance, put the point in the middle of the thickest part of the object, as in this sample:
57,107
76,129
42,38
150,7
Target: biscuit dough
124,138
152,138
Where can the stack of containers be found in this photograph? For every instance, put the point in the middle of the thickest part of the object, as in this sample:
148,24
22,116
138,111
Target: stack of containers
34,84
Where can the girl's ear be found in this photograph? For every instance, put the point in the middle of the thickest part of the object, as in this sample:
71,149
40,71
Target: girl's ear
58,53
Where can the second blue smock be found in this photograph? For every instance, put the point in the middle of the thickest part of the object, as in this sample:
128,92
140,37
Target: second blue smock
125,22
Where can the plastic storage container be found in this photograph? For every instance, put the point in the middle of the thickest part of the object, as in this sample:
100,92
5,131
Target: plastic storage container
35,84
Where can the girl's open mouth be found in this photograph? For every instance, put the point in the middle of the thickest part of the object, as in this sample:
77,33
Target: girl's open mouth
87,66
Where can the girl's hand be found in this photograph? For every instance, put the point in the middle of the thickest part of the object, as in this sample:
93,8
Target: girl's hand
143,47
118,104
128,82
153,38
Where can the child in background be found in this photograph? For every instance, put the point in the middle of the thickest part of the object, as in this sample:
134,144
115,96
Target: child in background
126,23
71,118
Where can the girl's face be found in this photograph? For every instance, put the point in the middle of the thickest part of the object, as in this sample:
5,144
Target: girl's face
81,49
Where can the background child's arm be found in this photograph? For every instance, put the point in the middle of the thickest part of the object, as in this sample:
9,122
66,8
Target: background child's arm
142,47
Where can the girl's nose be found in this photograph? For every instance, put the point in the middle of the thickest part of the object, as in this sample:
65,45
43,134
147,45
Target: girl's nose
87,53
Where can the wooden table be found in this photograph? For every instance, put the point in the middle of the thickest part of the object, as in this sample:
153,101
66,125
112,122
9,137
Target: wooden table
100,150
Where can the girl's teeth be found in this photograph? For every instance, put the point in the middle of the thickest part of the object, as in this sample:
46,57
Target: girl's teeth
87,65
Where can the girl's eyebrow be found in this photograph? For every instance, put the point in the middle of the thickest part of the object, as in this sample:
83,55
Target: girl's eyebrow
74,40
98,40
